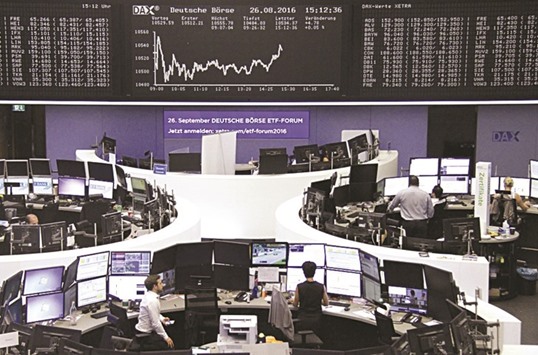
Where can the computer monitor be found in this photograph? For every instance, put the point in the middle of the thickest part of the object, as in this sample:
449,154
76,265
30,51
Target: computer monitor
344,258
422,244
430,340
426,183
127,287
454,166
17,185
129,161
130,262
71,168
139,185
101,171
14,312
534,188
295,276
108,145
11,288
70,347
407,299
306,153
521,185
168,278
92,265
191,254
334,151
70,275
533,168
372,220
371,290
138,203
152,212
27,237
269,254
71,186
369,265
231,253
273,151
43,280
322,185
42,185
362,191
54,235
341,195
299,253
394,185
98,187
44,336
461,229
185,162
39,167
440,285
358,144
273,164
44,307
462,334
343,283
402,274
164,259
455,184
364,173
111,224
424,166
230,277
17,168
120,176
91,291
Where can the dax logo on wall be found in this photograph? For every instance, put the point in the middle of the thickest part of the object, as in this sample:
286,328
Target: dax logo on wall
505,136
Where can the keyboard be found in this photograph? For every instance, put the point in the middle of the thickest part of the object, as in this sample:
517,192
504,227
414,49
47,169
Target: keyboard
339,304
101,314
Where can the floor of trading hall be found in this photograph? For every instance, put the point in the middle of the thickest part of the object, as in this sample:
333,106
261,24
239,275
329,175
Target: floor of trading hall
524,308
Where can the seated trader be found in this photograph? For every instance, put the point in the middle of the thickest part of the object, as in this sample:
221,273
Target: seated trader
437,193
508,185
309,296
416,208
502,207
150,320
32,219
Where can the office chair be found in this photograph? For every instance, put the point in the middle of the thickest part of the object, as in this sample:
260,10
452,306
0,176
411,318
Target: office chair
435,224
49,213
89,227
385,329
201,315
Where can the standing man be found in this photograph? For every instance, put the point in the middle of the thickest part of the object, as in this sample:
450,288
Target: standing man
416,208
150,320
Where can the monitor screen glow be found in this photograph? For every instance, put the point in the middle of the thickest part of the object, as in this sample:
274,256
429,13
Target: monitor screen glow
343,283
394,185
521,185
424,166
93,265
342,258
455,184
404,299
127,287
42,186
295,276
43,280
269,254
534,188
454,166
44,307
91,291
129,263
533,169
299,253
370,266
71,186
371,290
426,183
493,185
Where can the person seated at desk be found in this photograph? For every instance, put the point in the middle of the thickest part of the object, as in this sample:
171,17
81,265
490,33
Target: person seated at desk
309,296
150,320
437,195
416,208
31,219
502,207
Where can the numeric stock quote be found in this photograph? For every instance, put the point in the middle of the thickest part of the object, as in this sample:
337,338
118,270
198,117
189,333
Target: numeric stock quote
304,51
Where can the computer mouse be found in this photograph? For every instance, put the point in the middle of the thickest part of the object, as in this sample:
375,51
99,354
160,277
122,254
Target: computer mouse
228,302
346,309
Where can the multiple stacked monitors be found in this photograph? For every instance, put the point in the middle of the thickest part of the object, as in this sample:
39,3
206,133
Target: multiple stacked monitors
451,173
94,265
342,258
43,280
424,166
41,176
370,266
44,307
343,282
71,186
127,287
299,253
295,276
269,254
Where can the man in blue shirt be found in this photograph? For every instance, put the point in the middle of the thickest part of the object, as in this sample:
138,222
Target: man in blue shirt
416,208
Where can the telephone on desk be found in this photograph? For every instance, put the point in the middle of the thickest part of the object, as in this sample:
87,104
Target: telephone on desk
242,296
411,318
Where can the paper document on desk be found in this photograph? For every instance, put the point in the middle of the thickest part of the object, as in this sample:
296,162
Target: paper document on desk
365,314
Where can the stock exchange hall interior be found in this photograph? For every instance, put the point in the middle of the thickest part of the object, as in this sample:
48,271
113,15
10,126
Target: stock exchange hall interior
170,174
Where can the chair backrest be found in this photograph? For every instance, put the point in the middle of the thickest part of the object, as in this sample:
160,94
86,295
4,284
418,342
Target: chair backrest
201,300
121,321
92,211
49,213
280,315
385,328
435,224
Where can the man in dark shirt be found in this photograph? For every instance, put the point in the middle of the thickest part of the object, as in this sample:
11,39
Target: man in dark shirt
309,296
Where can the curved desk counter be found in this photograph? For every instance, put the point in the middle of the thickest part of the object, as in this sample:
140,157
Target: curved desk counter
468,274
185,229
243,206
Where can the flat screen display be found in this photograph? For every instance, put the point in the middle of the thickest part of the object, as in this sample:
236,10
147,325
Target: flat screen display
534,188
426,183
306,153
395,184
231,253
43,280
454,166
40,167
91,291
71,186
521,185
16,168
44,307
127,287
342,258
11,288
269,254
299,253
231,277
53,234
455,184
168,278
71,168
139,185
17,186
101,171
403,299
185,162
93,265
493,185
371,290
128,263
370,265
343,283
533,167
424,166
164,259
70,296
42,186
295,276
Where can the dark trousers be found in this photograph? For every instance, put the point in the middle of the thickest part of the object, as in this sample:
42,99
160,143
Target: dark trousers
152,342
417,229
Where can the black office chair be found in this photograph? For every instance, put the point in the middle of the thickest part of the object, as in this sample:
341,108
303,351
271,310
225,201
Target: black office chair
49,213
89,227
435,224
201,315
386,334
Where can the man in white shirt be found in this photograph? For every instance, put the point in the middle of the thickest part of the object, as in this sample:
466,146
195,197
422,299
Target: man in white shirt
150,320
415,208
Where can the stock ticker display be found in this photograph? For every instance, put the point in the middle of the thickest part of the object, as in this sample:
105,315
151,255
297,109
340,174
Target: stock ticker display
338,50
